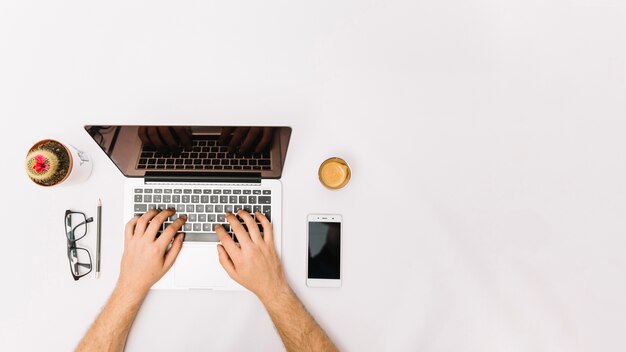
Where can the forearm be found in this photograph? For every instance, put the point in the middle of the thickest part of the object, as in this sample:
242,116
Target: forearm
111,328
296,327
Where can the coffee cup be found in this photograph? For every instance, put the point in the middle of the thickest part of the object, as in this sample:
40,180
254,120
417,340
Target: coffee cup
334,173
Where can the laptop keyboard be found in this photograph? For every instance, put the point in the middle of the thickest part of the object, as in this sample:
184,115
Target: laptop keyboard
205,208
205,154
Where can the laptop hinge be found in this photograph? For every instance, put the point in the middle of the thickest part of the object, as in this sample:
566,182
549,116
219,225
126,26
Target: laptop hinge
204,177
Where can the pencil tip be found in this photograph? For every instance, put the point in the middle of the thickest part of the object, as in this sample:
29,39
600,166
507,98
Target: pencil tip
99,202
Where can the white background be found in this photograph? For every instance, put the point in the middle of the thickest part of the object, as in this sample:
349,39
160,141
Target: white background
486,139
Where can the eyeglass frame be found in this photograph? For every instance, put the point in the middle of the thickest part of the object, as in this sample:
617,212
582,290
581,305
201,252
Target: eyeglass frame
71,244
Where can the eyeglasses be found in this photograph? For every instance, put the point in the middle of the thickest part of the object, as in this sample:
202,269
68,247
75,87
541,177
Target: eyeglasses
75,229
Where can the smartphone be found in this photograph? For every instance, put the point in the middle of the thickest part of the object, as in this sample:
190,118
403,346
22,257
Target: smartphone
324,250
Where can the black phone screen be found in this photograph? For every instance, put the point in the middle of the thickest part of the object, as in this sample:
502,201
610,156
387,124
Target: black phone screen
324,250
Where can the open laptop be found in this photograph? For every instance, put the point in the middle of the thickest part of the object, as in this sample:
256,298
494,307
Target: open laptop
203,172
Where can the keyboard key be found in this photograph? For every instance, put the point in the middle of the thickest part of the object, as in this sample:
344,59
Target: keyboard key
204,199
138,198
180,207
217,191
197,191
256,208
214,199
236,191
226,191
157,198
219,208
187,191
167,198
147,190
208,208
267,191
247,208
243,199
256,191
189,208
138,190
210,217
199,208
178,191
221,218
232,199
192,218
228,208
141,207
158,190
201,217
187,227
147,198
161,206
247,191
167,191
195,199
206,227
237,208
206,191
265,200
152,206
171,206
176,199
223,199
186,199
267,211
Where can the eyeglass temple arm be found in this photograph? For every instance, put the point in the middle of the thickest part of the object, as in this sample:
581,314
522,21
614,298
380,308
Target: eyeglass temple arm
82,223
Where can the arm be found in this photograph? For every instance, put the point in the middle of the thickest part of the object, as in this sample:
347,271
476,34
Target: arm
146,259
255,265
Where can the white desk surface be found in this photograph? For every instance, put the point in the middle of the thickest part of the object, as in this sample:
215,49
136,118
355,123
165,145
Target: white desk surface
486,138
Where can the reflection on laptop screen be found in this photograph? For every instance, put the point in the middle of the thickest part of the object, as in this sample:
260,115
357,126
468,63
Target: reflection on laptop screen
139,151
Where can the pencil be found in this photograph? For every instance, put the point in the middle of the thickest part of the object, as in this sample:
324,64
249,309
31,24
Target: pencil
98,239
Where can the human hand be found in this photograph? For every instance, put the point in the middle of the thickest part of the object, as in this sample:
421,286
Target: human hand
165,138
254,263
246,139
146,258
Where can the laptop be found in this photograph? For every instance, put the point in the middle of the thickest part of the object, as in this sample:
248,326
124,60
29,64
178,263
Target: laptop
202,172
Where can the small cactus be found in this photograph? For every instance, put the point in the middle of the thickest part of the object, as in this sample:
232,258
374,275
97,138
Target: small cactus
47,163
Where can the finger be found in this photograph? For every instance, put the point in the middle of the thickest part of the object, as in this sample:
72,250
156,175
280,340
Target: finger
266,140
253,229
171,231
268,232
143,221
238,136
130,228
225,135
168,138
227,263
229,245
172,253
250,141
240,232
143,135
153,134
157,222
184,135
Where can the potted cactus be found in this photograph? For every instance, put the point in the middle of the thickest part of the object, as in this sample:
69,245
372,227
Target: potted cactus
50,163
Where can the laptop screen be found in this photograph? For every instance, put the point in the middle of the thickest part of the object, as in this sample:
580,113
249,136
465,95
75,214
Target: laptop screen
140,151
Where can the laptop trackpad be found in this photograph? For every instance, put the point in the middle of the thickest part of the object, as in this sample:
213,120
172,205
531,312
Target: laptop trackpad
199,266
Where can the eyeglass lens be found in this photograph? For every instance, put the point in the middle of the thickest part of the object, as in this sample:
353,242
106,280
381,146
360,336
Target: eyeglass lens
80,261
75,226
